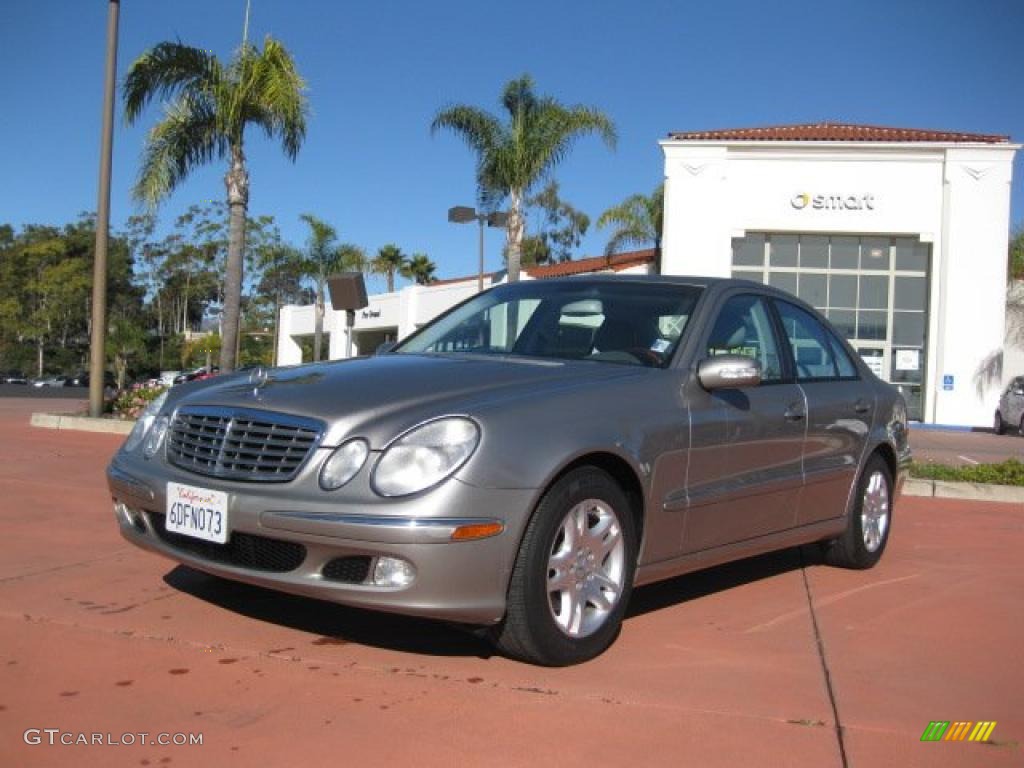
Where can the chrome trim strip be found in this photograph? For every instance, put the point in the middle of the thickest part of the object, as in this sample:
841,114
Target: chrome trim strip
390,521
375,528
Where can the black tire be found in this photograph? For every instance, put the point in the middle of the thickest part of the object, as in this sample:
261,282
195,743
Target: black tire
530,631
998,425
851,550
1020,427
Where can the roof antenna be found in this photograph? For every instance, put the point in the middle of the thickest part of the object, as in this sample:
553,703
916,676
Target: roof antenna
245,29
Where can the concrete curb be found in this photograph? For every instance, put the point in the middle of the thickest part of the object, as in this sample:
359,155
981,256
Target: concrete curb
942,489
81,423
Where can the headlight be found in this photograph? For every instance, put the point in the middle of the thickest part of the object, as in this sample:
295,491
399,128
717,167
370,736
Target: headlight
426,455
342,465
155,437
144,422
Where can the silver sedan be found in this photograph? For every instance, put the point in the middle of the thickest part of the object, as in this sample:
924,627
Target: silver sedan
525,460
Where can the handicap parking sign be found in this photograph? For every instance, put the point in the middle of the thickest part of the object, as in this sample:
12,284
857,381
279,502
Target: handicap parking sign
947,382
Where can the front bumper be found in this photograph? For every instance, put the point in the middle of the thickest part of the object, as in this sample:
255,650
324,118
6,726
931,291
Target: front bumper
461,581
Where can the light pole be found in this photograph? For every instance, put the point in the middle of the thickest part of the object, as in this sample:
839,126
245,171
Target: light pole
462,214
97,349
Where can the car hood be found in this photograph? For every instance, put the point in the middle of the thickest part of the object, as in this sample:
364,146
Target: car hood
379,397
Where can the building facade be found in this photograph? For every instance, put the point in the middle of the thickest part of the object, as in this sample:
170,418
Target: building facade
899,236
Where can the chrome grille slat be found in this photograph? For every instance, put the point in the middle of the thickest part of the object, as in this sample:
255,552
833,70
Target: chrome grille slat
240,444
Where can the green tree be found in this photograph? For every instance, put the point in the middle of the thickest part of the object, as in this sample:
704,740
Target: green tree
561,228
1015,258
323,258
210,105
420,269
389,261
513,156
638,220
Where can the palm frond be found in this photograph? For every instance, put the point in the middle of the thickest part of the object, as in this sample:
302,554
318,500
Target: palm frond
166,70
274,95
481,130
637,220
186,138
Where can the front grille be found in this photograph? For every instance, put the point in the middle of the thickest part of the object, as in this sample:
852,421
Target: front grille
238,444
350,570
244,550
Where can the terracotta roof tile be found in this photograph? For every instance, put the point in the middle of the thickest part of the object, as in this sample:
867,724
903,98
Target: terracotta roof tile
829,131
615,263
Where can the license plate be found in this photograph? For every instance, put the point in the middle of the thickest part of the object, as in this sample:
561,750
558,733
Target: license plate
197,512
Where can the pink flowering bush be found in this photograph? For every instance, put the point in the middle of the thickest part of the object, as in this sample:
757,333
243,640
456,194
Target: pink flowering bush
130,403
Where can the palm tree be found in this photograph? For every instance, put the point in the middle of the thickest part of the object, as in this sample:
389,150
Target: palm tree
321,241
638,220
420,269
513,156
390,261
209,106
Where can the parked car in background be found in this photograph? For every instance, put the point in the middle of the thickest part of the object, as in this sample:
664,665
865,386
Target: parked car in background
50,381
14,377
199,374
81,379
524,460
1010,412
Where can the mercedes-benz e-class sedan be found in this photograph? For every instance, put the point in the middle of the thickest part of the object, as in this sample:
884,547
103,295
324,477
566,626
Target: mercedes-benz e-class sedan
526,459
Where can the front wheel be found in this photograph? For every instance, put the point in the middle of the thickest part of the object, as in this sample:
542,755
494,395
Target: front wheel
574,573
867,531
998,425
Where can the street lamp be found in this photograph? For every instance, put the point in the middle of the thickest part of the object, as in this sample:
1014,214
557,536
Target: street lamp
462,214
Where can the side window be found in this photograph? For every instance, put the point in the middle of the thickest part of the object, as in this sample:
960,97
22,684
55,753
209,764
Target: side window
847,370
808,338
744,328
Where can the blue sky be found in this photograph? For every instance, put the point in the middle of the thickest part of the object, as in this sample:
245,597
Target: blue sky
378,70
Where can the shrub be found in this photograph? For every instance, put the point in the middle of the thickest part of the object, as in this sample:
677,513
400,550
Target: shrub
1009,472
130,403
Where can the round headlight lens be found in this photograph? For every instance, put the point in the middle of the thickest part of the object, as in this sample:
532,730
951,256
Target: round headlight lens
155,437
343,464
144,422
425,456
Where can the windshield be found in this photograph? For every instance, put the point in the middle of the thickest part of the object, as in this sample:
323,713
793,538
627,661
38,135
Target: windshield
626,323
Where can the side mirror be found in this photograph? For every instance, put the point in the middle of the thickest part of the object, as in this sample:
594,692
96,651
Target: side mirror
386,347
729,372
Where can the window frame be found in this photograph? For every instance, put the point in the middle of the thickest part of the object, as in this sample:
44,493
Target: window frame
832,343
781,341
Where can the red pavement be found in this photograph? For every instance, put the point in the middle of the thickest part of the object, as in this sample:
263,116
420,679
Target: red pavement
720,668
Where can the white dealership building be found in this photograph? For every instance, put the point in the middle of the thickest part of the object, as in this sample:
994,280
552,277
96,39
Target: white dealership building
899,236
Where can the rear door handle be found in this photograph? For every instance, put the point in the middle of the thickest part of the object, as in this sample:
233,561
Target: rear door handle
795,412
862,406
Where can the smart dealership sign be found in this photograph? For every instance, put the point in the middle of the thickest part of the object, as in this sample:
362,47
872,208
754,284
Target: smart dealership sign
802,200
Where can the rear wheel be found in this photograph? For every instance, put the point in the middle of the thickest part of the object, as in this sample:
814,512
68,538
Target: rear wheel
574,573
1020,427
998,425
867,531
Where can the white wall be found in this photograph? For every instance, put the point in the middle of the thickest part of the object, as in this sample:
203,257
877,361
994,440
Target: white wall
955,197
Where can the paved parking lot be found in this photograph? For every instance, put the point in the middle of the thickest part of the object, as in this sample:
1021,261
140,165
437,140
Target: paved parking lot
965,448
767,662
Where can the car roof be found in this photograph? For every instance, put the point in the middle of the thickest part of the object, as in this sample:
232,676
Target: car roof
696,281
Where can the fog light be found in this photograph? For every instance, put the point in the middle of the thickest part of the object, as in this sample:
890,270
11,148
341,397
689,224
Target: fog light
121,510
132,517
392,572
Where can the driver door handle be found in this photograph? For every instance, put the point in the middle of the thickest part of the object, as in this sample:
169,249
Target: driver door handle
861,406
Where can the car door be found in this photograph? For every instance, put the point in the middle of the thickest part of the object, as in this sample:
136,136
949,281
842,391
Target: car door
744,475
1013,402
840,409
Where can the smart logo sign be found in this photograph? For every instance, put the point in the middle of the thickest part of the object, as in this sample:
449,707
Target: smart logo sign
803,200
